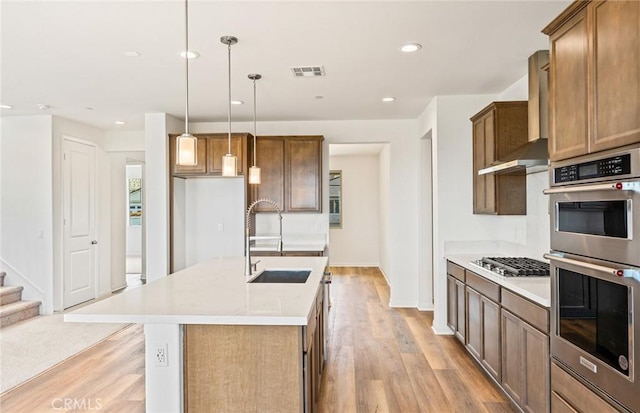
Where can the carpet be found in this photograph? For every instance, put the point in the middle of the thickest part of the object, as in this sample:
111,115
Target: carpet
30,347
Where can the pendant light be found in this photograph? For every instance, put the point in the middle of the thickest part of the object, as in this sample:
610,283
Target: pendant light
229,161
254,171
186,144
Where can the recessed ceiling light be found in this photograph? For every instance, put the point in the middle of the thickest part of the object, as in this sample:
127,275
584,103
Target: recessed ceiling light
120,122
388,99
42,106
6,107
189,54
132,53
410,47
237,102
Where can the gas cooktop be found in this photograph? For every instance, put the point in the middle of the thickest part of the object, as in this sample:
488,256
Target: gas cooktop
514,266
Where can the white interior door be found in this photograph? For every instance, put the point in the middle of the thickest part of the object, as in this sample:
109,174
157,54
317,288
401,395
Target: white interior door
79,205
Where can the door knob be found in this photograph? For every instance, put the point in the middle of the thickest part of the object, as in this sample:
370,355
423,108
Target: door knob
94,242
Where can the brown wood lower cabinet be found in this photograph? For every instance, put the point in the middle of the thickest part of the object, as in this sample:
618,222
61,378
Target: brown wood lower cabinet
287,254
483,331
525,363
456,313
506,333
257,368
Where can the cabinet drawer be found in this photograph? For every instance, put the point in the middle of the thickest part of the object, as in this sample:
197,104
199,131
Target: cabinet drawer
531,313
559,405
575,394
485,287
455,271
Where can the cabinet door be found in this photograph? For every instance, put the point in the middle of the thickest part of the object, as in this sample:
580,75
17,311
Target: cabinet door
615,56
270,159
474,323
483,155
525,364
568,106
536,370
303,168
491,340
199,168
455,307
218,146
452,304
512,374
461,313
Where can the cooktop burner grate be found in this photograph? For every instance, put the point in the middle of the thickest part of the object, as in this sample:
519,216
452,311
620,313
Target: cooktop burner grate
515,266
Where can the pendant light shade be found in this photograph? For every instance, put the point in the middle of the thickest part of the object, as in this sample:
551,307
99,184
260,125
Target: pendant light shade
186,149
229,161
254,171
186,144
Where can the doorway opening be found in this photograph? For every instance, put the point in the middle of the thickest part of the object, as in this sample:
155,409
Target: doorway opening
134,224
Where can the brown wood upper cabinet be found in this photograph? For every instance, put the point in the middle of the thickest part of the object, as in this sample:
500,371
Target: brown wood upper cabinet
291,168
499,129
211,148
594,80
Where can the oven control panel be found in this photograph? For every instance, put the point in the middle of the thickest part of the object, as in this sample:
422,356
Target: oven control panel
601,168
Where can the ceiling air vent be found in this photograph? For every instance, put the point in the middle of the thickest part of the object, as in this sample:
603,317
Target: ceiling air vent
308,71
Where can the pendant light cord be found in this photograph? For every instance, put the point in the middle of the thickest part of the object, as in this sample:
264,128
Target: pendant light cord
229,111
255,130
186,64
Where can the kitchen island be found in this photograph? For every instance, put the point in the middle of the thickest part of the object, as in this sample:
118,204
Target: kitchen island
215,342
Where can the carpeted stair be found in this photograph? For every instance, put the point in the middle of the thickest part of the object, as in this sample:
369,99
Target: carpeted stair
12,308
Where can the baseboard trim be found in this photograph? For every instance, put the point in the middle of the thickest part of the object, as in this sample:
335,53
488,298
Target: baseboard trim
441,330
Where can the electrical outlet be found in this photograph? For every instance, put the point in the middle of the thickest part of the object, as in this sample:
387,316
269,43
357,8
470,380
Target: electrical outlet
160,355
220,227
317,227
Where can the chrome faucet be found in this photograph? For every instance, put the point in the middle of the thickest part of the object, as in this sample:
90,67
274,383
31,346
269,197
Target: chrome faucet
248,265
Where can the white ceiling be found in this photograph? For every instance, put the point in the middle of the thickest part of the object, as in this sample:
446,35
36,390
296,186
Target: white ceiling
70,56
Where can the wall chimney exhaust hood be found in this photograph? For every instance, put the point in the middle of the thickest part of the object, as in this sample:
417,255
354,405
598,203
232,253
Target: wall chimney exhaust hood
534,155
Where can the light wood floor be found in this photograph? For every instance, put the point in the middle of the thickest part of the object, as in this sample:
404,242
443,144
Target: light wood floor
381,360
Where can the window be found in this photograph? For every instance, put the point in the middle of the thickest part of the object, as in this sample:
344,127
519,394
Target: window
335,199
135,201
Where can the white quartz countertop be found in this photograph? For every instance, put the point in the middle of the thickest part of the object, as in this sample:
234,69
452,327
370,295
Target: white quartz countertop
536,289
214,292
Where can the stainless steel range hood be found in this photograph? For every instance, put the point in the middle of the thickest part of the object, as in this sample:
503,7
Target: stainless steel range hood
533,156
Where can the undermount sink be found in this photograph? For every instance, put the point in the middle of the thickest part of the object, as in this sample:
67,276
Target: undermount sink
282,276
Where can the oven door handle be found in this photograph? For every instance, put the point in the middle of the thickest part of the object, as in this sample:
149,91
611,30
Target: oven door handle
616,272
612,186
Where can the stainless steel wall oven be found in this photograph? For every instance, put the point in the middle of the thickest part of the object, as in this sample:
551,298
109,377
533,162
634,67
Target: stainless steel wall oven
595,270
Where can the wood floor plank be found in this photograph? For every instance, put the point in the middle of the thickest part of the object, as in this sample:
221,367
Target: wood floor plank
429,393
371,397
338,385
457,392
430,348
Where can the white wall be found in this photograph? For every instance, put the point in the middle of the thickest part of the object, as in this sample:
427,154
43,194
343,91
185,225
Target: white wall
158,126
384,216
214,225
357,243
26,221
425,226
